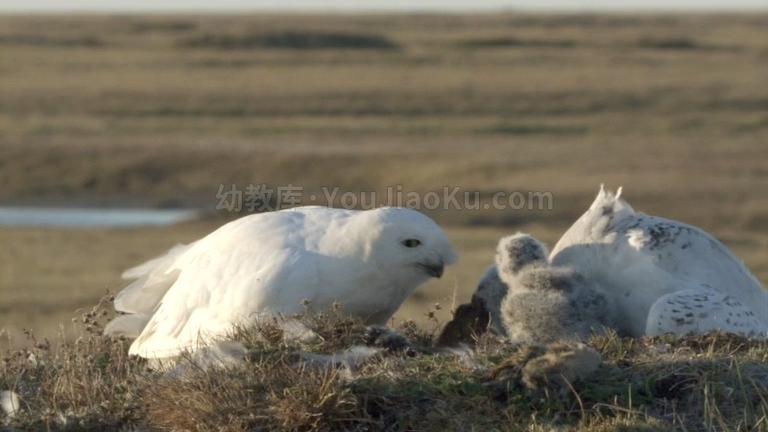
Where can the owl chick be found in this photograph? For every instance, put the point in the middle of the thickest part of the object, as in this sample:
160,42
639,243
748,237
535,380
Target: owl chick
545,303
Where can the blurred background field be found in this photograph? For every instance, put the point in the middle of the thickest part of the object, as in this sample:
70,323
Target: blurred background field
158,111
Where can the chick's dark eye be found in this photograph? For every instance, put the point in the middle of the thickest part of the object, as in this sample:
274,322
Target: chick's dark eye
411,243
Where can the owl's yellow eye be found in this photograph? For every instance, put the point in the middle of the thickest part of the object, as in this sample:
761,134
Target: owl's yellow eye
411,243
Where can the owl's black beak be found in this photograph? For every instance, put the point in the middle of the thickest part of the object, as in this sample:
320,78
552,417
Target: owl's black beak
433,269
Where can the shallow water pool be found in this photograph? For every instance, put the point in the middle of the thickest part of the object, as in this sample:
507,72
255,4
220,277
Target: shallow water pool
65,217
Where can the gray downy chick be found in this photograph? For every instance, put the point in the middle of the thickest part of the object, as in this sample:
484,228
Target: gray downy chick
545,303
511,257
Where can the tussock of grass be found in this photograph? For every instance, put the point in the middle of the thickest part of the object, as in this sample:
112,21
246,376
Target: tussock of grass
291,40
712,382
90,383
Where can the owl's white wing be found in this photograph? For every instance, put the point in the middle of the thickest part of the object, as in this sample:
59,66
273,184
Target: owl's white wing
200,289
137,301
216,291
151,281
697,311
256,264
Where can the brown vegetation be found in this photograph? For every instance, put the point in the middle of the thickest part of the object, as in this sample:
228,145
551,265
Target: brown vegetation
712,382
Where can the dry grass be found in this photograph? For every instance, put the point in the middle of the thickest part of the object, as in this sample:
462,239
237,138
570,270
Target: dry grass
712,382
89,383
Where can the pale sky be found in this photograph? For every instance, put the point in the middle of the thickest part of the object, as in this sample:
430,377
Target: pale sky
374,5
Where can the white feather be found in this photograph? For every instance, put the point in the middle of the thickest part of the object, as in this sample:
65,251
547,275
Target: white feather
698,311
161,262
129,325
153,279
10,403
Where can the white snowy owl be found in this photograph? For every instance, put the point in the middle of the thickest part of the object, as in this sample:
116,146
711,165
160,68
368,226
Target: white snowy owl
367,261
662,276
